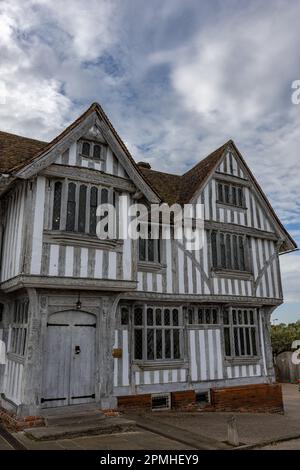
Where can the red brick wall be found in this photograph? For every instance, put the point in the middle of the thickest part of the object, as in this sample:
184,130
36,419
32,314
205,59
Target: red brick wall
249,398
254,398
135,401
181,399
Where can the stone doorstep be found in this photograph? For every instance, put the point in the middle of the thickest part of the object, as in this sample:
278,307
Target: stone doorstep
95,427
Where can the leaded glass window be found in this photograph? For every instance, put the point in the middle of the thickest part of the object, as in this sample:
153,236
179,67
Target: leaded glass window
157,333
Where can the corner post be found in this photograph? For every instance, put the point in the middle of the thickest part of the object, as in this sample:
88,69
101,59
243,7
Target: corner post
107,329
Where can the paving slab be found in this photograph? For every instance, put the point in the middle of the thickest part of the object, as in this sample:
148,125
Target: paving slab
252,427
293,444
178,433
4,445
98,427
138,440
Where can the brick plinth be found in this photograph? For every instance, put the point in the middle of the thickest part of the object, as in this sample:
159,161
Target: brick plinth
180,400
248,398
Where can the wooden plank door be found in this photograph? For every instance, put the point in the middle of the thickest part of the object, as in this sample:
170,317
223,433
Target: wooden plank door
56,373
82,382
69,360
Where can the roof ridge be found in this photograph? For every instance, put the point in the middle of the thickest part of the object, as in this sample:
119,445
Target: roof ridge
162,172
230,141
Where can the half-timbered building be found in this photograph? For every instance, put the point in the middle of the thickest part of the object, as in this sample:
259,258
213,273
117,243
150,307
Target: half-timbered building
121,322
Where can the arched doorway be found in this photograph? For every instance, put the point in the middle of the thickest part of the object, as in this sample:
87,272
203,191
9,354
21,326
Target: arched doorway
69,359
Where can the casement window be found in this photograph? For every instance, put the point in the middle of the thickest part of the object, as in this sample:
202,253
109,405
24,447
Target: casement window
56,205
240,332
19,328
80,202
228,251
92,150
149,250
228,193
204,315
157,332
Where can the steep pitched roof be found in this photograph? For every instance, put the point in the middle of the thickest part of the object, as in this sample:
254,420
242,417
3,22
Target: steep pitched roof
181,188
17,164
16,150
168,186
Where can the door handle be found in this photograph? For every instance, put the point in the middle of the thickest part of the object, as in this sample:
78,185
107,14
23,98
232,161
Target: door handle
77,350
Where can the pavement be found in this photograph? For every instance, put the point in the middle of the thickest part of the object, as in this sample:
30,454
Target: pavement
293,444
192,430
253,428
4,445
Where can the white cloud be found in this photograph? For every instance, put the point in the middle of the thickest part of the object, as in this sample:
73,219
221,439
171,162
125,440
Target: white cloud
36,39
290,270
222,76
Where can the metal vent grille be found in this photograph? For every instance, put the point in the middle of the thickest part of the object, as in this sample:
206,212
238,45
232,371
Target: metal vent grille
203,397
161,401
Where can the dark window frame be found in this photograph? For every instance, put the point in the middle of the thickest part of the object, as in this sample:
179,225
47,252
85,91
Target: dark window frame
231,194
202,315
57,202
77,206
19,328
241,329
161,339
95,150
151,247
229,251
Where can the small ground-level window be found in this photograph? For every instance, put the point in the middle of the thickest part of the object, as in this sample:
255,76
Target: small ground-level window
157,333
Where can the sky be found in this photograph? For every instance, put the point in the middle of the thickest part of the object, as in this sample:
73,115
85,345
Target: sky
177,79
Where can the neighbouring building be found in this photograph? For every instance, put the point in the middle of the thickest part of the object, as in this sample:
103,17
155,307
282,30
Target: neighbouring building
123,322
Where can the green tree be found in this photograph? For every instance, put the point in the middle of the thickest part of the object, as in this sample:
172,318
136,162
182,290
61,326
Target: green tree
283,335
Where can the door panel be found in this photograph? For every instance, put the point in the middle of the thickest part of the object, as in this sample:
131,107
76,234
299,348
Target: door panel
69,359
82,385
56,380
